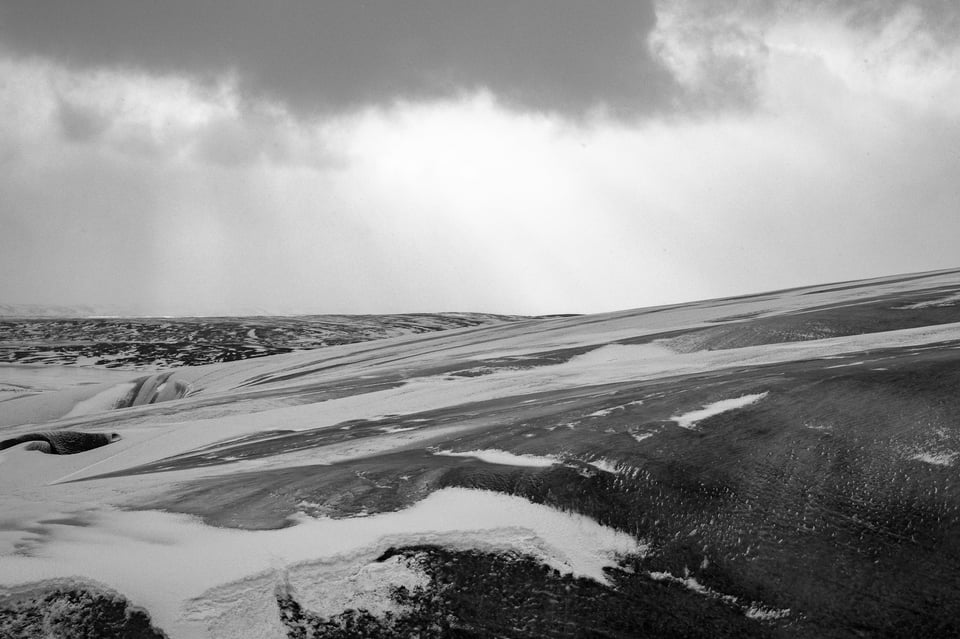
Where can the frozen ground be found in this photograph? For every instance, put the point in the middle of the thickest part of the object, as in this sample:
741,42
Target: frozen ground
154,343
772,465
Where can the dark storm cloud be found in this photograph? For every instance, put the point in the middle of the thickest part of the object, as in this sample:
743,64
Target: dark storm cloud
554,55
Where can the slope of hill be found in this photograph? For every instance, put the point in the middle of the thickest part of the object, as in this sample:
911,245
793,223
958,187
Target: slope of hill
770,465
132,343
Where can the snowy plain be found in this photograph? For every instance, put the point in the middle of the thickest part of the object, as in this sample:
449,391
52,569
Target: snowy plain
81,516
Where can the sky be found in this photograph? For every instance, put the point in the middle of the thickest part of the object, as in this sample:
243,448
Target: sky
524,157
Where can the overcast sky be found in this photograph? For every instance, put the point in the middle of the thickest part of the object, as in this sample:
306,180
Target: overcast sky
524,156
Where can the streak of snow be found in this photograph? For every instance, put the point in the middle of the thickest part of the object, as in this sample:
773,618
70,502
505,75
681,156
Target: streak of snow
495,456
606,465
689,420
606,411
950,300
397,429
937,459
844,365
765,613
753,610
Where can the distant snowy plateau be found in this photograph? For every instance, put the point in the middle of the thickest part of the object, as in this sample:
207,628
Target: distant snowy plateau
775,465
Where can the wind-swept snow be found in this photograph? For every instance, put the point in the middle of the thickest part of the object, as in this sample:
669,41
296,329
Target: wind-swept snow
605,465
752,610
603,412
689,420
937,459
300,419
161,560
495,456
949,300
103,401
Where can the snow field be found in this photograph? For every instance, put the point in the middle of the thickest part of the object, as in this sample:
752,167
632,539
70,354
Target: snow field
162,561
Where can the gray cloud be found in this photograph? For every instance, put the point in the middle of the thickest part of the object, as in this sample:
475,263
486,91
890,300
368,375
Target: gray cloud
80,123
553,55
716,49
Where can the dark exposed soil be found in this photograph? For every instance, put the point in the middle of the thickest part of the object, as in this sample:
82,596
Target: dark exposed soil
483,594
74,612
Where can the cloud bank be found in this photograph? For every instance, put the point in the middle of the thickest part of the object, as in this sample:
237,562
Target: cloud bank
554,55
791,144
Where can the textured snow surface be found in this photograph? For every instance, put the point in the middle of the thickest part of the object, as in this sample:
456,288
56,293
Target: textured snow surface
162,561
103,401
397,395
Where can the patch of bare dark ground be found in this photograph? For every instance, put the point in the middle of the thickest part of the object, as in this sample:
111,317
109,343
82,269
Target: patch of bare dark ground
74,612
808,500
483,594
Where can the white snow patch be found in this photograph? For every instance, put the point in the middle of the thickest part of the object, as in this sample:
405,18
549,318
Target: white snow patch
606,465
753,610
102,401
496,456
937,459
692,584
950,300
765,613
606,411
324,587
396,429
689,420
641,436
844,365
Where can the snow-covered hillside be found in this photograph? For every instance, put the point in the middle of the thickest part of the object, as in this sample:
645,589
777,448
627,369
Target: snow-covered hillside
779,464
